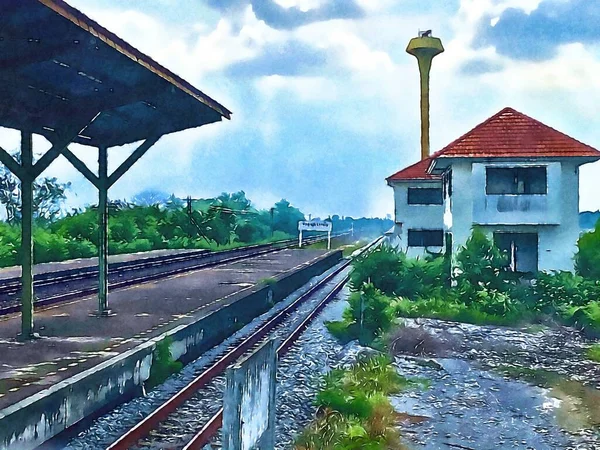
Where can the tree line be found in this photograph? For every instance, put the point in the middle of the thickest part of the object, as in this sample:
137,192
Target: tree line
151,220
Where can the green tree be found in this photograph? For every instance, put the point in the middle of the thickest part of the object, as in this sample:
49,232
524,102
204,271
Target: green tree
481,263
587,259
48,196
286,217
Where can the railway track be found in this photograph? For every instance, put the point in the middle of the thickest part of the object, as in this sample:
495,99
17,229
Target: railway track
172,412
66,285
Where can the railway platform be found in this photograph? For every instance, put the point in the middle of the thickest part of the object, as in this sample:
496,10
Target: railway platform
81,263
74,340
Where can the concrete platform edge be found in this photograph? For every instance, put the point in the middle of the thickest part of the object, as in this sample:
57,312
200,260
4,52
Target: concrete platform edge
34,420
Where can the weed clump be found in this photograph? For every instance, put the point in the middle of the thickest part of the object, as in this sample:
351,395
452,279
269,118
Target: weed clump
163,364
354,411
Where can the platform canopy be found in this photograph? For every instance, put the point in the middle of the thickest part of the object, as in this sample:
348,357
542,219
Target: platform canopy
67,78
57,66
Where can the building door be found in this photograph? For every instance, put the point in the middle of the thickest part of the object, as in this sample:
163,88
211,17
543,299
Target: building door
521,248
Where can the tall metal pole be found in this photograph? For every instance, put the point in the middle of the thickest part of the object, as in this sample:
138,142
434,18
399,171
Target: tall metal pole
103,308
27,294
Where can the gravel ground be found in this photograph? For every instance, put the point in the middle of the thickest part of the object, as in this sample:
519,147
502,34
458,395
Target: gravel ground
488,388
493,387
106,429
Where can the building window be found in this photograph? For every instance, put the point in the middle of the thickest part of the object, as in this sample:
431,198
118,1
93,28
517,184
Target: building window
425,196
425,238
522,180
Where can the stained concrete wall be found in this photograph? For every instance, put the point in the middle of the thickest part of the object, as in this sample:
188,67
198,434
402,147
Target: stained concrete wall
30,422
415,217
555,217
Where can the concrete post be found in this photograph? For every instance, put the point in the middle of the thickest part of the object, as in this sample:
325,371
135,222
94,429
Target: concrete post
249,401
27,294
103,308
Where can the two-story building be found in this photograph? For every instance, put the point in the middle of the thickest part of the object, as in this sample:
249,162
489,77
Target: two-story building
512,176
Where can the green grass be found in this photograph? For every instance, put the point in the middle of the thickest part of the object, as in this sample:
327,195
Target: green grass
163,364
354,409
593,353
436,308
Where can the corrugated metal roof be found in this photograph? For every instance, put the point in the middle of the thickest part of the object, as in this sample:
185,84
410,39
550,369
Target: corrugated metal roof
507,134
57,66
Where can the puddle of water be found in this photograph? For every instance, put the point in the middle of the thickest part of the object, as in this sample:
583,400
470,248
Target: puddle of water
579,407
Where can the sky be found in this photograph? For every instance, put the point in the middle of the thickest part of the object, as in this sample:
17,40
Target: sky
325,99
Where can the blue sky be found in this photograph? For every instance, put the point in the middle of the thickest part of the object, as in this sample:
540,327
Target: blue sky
325,99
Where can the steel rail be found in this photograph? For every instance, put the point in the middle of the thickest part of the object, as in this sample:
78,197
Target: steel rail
150,422
64,297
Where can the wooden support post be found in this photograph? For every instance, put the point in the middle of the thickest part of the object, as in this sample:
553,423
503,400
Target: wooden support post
27,293
103,308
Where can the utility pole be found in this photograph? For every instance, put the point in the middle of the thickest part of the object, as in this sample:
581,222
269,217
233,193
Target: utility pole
272,210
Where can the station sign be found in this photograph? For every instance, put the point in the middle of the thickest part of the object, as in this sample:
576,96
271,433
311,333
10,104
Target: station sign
314,225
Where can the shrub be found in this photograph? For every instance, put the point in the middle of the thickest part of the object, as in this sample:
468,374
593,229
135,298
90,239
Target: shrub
10,241
422,278
355,412
382,267
593,352
368,316
49,247
163,365
481,263
586,317
587,258
560,289
81,248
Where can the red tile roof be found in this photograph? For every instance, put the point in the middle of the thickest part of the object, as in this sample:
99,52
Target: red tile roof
507,134
417,171
510,133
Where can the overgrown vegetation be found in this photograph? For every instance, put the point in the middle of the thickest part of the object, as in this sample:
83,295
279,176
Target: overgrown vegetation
224,222
152,221
387,285
163,365
354,411
593,352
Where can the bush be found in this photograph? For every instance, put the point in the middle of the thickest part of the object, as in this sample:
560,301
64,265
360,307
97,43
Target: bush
560,289
481,263
587,258
10,242
49,247
422,278
355,412
586,317
368,316
163,365
382,267
81,249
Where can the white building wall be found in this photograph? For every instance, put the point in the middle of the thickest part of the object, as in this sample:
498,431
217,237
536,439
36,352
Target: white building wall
558,245
517,209
461,204
418,217
555,219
